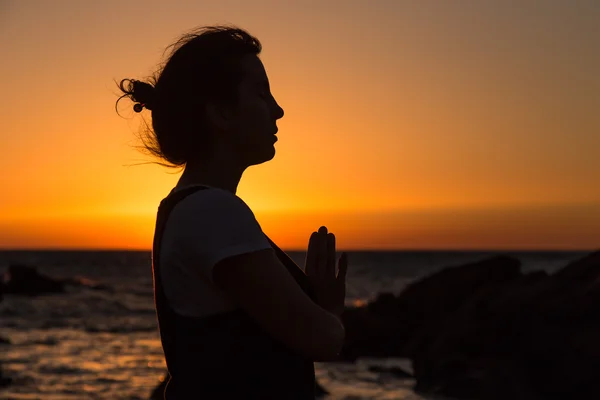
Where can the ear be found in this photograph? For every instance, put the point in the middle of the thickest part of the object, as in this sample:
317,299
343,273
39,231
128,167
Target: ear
219,116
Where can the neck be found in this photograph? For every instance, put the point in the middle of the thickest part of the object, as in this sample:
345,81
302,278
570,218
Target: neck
219,172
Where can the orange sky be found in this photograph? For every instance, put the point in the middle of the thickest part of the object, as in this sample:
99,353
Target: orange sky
462,125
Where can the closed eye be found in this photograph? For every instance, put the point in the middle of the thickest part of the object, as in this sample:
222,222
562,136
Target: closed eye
266,95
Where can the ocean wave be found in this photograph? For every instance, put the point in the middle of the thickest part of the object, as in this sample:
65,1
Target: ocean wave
60,370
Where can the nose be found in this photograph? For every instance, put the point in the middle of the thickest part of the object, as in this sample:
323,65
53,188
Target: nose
277,110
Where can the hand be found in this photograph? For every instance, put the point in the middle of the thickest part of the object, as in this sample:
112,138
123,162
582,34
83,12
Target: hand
328,281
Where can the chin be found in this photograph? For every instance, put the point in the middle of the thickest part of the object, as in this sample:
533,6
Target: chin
264,157
270,155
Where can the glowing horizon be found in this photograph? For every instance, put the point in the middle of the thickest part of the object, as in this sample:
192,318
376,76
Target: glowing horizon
408,125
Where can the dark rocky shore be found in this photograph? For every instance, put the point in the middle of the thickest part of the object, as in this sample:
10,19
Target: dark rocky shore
487,331
482,331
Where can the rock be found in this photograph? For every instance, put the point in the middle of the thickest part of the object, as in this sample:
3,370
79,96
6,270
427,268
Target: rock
384,304
483,308
563,361
486,331
436,296
535,337
26,280
390,325
461,378
580,270
370,335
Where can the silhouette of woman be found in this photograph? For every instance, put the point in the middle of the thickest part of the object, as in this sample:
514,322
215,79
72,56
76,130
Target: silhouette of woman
237,317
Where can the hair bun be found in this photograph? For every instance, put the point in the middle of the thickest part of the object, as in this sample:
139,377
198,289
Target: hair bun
142,93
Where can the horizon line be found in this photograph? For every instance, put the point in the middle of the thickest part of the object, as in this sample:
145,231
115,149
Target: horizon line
295,250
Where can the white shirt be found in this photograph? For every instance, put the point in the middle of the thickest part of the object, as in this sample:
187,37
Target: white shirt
204,228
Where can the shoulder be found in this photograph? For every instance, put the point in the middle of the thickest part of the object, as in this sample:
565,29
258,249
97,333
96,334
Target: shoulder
212,224
212,206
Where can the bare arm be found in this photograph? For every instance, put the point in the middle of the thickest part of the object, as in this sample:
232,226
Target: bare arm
266,290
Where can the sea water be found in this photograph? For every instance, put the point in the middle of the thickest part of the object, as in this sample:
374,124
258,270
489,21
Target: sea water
100,340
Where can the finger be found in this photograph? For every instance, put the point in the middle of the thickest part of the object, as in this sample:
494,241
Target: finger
343,267
311,255
322,252
331,255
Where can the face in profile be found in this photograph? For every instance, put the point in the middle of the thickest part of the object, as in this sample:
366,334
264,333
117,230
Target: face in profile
254,121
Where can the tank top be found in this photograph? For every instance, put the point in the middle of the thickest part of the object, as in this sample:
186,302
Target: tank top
227,355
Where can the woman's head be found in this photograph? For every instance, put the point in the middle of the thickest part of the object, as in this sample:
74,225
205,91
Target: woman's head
210,97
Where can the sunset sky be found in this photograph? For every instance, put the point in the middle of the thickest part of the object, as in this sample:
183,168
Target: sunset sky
409,124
